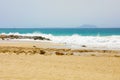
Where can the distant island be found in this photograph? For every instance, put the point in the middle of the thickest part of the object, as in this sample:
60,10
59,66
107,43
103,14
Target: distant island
87,26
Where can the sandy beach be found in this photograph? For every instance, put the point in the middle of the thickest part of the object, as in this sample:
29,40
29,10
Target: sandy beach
59,39
37,67
24,60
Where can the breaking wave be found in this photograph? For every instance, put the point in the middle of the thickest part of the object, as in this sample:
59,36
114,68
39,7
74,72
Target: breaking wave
75,39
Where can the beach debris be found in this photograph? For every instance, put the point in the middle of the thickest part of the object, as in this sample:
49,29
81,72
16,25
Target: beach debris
59,53
42,52
69,53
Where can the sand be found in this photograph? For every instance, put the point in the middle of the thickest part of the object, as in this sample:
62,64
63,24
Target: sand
38,67
54,67
20,43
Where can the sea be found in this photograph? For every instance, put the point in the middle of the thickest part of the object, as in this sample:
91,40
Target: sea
91,37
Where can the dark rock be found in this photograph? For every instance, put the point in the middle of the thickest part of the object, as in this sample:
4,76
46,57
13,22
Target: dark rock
84,46
13,36
34,46
3,37
23,37
40,38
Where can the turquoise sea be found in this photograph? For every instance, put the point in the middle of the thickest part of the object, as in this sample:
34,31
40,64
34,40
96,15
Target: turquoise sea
65,31
108,38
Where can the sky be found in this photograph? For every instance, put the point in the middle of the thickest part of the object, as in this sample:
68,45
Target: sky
59,13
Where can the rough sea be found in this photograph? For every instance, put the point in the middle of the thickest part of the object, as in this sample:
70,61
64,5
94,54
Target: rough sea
95,37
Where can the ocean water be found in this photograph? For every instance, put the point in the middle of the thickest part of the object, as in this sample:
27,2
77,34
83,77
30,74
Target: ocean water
91,37
65,31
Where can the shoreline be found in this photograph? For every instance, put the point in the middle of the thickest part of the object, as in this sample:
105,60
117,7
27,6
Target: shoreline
44,60
50,44
49,48
72,42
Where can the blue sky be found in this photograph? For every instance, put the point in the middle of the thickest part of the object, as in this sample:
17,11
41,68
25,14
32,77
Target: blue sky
59,13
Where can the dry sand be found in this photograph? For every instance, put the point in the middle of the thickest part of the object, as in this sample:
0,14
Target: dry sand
53,67
38,67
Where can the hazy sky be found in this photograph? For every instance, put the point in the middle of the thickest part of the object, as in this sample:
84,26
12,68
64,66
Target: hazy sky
59,13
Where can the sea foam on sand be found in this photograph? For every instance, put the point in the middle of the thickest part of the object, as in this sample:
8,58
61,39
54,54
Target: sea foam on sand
75,40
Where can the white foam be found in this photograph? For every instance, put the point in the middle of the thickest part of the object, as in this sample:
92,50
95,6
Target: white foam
110,42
